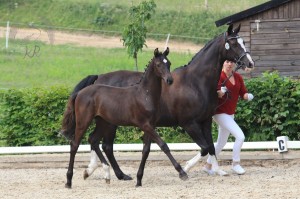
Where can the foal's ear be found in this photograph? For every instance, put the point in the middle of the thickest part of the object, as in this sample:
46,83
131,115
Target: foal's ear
166,52
229,30
156,52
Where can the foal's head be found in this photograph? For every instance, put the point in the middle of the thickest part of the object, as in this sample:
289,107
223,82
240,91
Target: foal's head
162,65
235,49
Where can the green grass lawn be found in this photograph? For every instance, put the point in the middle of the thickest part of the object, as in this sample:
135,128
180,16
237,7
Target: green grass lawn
66,64
187,19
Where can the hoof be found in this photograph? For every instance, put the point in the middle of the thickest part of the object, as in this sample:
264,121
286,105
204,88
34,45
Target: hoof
138,185
107,181
85,175
69,186
126,177
183,176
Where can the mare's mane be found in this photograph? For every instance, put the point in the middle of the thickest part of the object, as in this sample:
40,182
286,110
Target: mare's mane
207,45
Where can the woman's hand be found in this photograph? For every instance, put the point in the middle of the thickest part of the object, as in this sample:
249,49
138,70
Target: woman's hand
248,96
222,92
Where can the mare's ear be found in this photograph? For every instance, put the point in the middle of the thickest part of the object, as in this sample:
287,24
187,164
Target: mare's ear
156,52
229,30
166,52
237,29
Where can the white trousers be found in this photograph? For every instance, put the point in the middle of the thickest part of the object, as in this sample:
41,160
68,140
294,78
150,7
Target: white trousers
227,125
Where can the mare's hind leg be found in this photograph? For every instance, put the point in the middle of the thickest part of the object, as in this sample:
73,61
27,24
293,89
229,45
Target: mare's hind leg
93,165
151,133
94,140
146,151
109,134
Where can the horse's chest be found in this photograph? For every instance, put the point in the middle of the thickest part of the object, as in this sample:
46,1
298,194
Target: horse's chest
193,103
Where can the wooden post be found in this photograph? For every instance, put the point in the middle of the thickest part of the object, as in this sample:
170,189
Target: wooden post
7,35
206,5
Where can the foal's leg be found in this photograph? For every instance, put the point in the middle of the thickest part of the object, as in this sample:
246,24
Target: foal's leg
150,131
109,134
74,144
146,151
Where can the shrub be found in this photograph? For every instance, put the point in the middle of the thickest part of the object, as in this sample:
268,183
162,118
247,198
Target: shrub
275,110
33,116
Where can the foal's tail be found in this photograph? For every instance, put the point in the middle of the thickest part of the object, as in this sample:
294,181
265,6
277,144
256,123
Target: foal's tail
89,80
69,123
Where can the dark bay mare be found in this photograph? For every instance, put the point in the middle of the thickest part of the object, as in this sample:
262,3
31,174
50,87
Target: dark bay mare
189,102
128,106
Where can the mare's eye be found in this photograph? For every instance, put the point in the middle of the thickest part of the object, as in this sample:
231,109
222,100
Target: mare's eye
235,44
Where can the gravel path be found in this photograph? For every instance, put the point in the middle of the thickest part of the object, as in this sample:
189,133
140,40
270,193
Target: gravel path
44,176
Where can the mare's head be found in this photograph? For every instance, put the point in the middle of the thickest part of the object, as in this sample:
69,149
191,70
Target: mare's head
235,49
162,65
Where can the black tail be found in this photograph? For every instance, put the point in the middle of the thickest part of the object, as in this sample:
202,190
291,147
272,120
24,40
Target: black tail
89,80
69,122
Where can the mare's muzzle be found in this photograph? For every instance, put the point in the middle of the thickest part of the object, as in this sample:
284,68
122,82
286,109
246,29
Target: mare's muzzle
241,64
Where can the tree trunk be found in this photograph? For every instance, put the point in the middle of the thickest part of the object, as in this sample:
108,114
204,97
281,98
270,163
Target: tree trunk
135,59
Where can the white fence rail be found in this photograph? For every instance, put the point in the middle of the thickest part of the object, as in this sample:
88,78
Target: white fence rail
271,145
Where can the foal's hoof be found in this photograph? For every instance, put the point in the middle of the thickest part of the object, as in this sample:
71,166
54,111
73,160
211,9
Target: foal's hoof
126,177
183,176
85,175
69,186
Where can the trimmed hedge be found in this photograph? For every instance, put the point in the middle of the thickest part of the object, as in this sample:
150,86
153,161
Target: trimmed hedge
274,111
33,116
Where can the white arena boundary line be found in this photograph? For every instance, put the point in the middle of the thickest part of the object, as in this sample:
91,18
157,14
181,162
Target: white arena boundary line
138,147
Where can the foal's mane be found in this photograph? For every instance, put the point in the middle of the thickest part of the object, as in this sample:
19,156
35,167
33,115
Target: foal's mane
145,70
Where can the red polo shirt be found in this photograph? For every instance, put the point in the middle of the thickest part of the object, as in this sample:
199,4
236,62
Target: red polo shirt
228,104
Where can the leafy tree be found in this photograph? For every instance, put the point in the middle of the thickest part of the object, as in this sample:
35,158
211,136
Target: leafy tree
134,35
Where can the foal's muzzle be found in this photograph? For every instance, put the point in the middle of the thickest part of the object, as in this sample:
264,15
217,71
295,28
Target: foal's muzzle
170,80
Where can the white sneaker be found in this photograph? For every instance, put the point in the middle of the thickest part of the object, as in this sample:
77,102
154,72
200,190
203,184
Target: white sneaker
238,169
208,171
212,172
222,173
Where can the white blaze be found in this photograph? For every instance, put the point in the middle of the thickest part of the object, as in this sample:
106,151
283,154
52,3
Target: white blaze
241,42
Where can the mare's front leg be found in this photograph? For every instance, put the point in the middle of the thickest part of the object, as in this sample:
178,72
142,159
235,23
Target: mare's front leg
146,151
150,130
201,134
